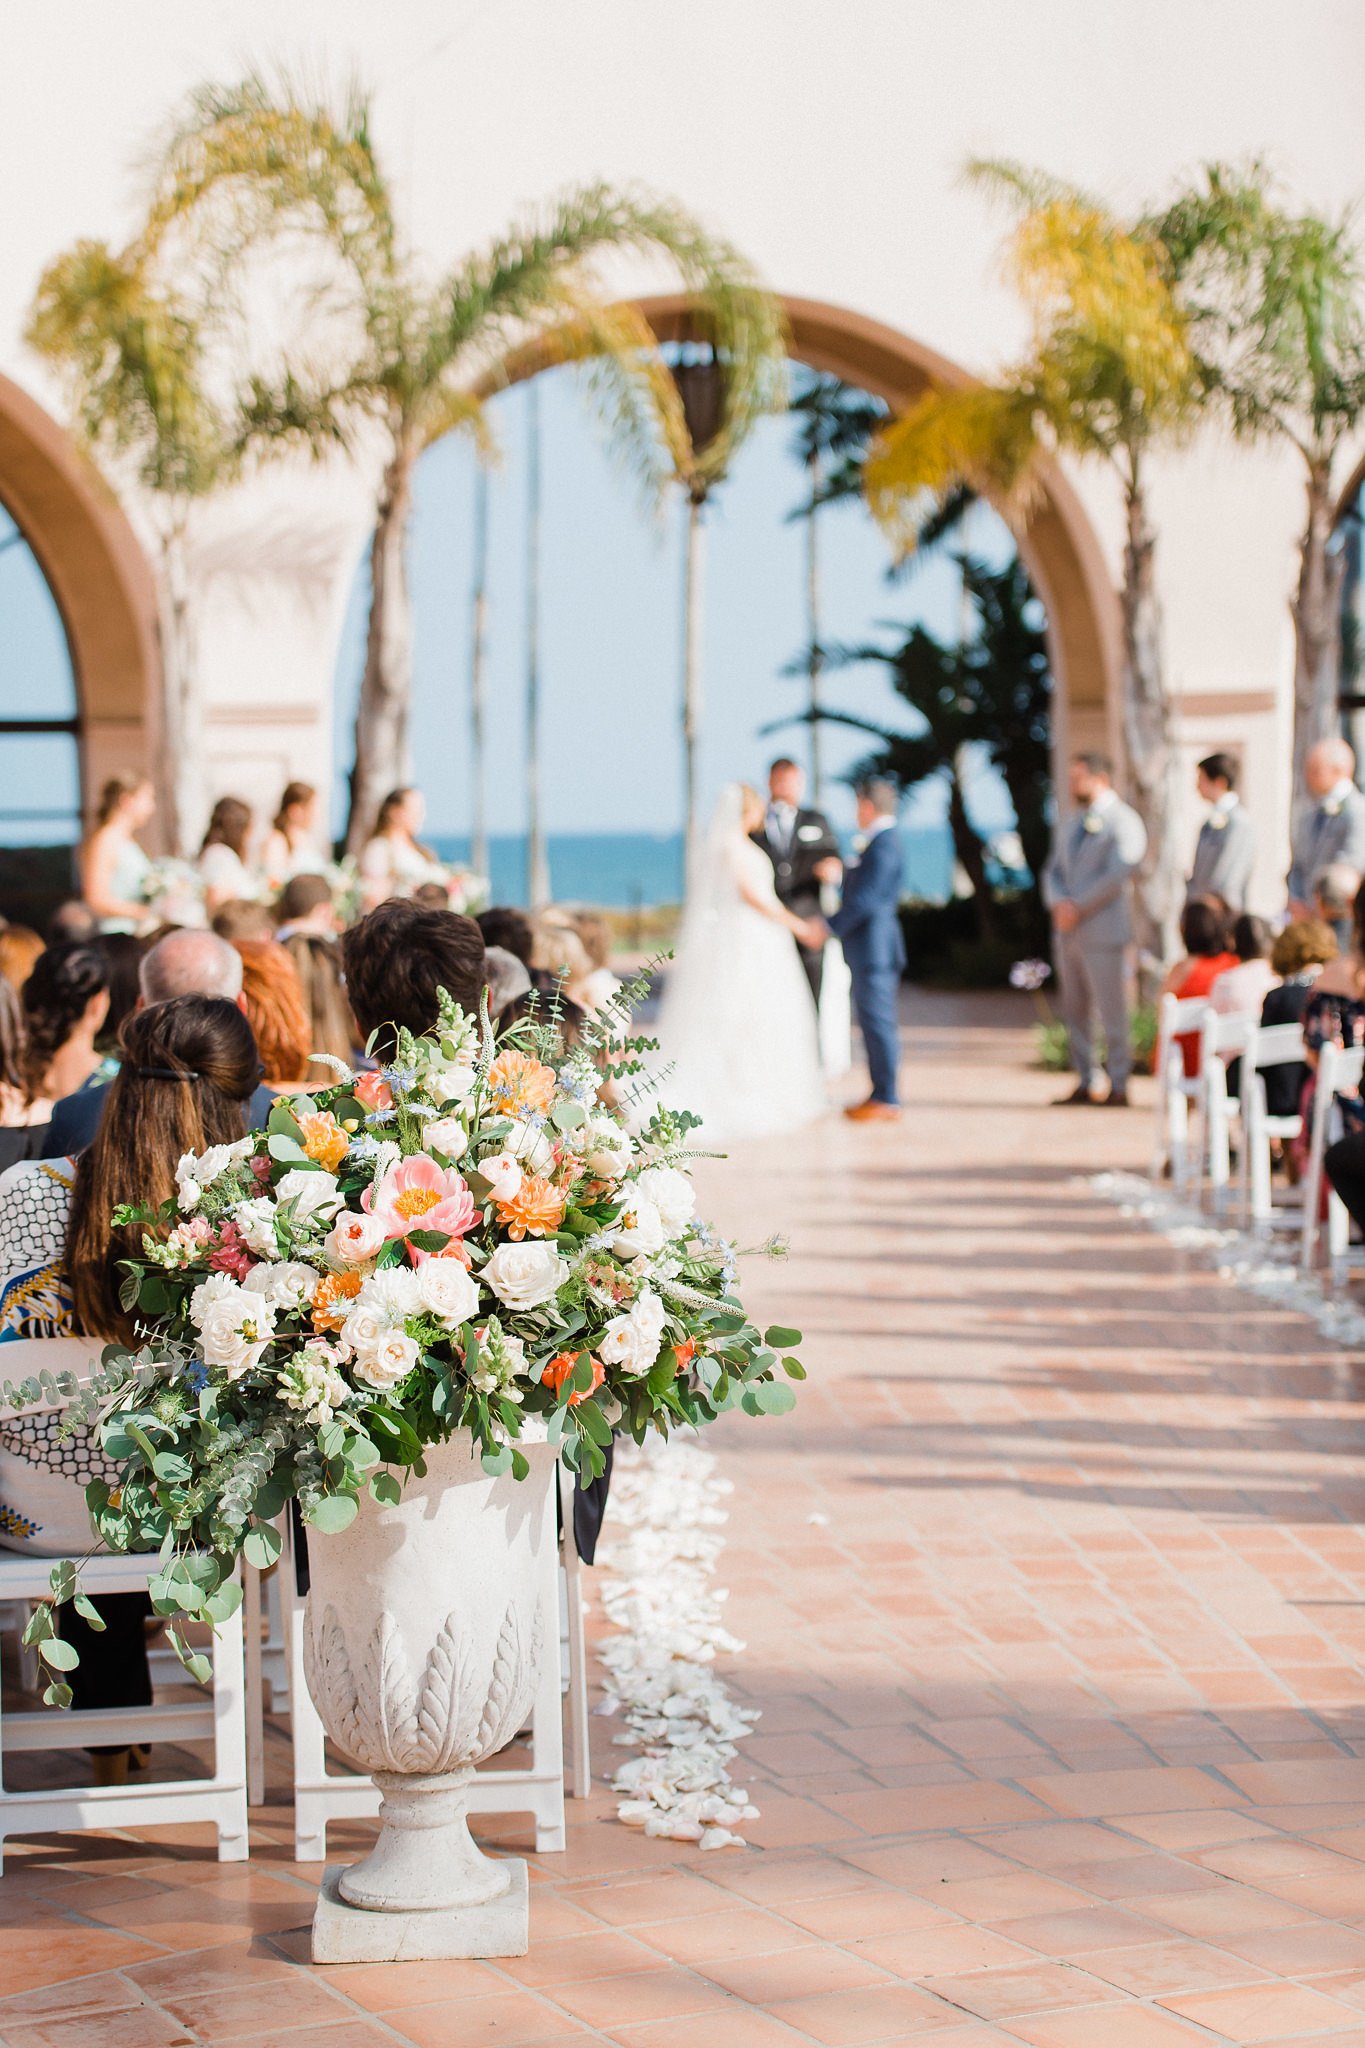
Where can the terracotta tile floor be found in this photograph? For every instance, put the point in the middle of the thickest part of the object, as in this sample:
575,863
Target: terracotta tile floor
1052,1590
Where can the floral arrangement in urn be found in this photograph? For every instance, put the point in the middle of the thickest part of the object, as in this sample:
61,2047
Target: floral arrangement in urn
466,1239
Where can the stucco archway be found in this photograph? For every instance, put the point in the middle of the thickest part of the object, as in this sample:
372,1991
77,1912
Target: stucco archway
99,579
1059,546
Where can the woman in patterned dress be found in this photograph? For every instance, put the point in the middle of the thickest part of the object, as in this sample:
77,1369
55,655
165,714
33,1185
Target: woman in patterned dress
189,1067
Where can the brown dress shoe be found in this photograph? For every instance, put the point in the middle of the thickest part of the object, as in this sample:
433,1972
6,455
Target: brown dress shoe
1117,1098
873,1113
1079,1094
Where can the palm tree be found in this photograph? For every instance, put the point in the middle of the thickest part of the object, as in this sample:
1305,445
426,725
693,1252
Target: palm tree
1110,374
835,423
130,349
1274,298
245,162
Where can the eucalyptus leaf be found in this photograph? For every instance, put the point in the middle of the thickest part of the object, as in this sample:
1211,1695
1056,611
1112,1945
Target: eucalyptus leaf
333,1513
60,1655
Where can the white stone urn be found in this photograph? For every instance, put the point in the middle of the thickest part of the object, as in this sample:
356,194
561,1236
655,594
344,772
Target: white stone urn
422,1641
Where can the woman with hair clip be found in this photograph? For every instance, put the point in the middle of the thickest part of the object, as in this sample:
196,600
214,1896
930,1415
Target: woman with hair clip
112,866
189,1067
292,846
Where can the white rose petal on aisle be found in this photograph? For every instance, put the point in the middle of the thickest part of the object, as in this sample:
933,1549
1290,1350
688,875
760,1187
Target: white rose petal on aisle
657,1593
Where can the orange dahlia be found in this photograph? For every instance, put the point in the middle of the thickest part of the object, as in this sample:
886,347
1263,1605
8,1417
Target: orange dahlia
535,1210
517,1083
323,1139
331,1302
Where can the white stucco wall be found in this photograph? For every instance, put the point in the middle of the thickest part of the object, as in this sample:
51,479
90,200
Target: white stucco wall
827,142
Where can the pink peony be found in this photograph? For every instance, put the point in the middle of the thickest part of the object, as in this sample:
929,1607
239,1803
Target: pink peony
230,1254
417,1194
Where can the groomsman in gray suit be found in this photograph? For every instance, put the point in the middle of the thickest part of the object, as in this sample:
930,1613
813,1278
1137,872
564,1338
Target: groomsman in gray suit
1086,887
1226,849
1331,834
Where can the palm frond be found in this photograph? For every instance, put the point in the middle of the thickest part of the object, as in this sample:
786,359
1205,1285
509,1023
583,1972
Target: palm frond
985,438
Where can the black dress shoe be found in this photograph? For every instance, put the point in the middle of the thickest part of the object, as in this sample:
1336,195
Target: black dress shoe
1078,1094
1117,1098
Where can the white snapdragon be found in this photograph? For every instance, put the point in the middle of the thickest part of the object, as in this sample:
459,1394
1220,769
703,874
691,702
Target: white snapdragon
672,1195
640,1231
312,1194
312,1386
288,1286
524,1275
447,1291
196,1171
632,1341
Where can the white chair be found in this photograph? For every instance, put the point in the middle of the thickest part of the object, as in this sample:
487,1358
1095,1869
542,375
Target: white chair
219,1717
1176,1091
1339,1073
322,1795
1221,1039
1271,1045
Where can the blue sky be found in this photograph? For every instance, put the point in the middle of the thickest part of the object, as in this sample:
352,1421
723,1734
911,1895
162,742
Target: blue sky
610,635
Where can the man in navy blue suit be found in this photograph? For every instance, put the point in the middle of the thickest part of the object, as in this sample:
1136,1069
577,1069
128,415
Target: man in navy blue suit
868,926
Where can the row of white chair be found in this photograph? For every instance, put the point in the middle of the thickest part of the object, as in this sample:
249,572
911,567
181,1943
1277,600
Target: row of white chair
1201,1102
260,1650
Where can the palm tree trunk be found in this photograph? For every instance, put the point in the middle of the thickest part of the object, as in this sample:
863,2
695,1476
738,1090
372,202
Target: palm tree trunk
1316,609
1149,740
382,759
180,738
537,866
691,676
817,654
478,680
970,853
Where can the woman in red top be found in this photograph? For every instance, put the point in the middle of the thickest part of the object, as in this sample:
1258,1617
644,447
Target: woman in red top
1204,931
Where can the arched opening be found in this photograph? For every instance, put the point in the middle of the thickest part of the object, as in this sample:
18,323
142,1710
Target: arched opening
62,520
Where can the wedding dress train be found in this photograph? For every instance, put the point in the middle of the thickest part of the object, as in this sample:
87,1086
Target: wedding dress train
737,1027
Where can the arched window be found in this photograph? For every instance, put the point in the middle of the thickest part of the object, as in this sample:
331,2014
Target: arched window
39,719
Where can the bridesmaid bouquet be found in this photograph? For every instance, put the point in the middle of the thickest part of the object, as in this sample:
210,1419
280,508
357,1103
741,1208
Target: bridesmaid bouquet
466,1239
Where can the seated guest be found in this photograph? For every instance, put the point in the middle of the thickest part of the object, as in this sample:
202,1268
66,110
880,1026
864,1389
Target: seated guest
559,952
507,980
1204,932
65,1002
242,919
123,961
19,948
399,956
601,984
182,963
22,1123
509,929
188,1068
1334,893
72,920
1298,956
1239,991
308,934
272,998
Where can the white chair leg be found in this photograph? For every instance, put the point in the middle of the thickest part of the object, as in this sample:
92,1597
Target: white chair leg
1338,1237
230,1739
255,1704
580,1759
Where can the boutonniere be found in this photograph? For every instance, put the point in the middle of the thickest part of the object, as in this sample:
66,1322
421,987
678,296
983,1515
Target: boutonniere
1334,807
1092,823
1219,821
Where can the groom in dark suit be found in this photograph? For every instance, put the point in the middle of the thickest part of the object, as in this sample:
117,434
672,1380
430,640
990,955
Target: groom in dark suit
869,928
804,853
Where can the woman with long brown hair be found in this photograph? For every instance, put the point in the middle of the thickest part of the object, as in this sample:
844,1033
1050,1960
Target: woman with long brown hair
292,846
113,866
395,862
189,1067
65,1002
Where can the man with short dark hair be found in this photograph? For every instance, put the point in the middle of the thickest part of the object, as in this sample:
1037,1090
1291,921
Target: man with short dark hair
1225,852
399,956
510,929
867,925
1086,887
804,853
306,906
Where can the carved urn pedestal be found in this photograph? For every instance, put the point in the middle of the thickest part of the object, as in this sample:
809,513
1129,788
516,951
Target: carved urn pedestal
422,1642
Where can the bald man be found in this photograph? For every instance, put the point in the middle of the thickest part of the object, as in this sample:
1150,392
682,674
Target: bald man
1332,832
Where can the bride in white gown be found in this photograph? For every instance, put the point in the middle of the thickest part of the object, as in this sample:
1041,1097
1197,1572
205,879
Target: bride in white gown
736,1025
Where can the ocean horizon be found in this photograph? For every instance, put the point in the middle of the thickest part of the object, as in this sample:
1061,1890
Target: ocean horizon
639,870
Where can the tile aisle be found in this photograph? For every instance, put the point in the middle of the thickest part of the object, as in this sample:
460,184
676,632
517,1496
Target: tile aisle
1052,1593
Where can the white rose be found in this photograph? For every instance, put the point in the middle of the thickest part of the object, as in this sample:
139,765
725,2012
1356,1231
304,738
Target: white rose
672,1194
524,1275
236,1330
387,1361
450,1080
446,1135
354,1240
530,1144
503,1174
447,1291
205,1168
207,1292
313,1193
640,1231
288,1286
256,1221
187,1187
608,1152
632,1340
